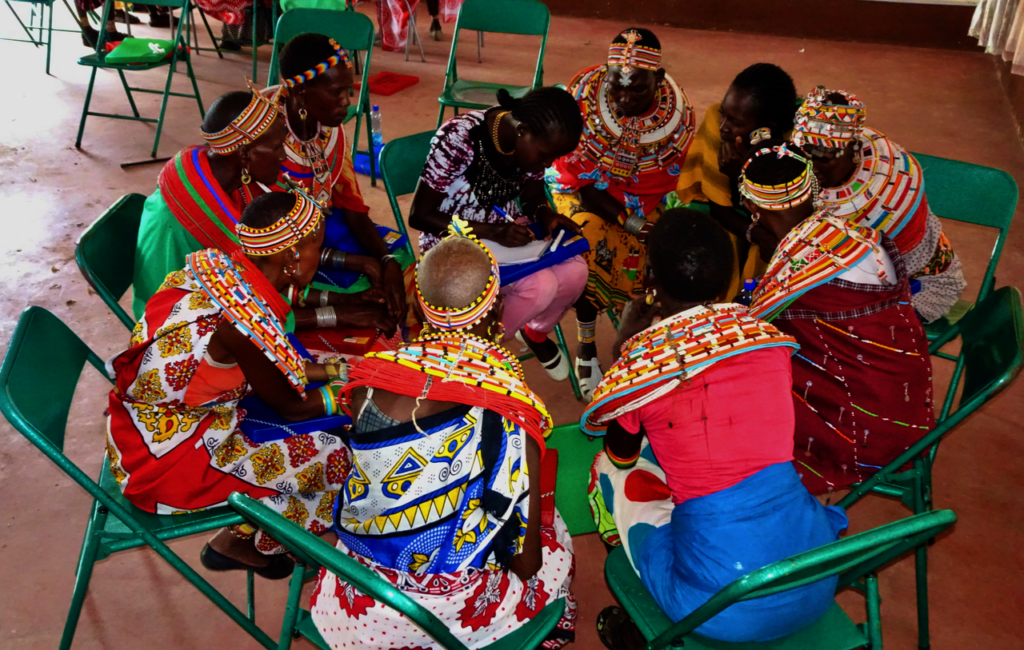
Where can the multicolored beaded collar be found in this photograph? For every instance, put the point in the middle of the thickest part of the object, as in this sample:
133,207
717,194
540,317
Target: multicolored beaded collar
461,318
304,217
340,56
249,125
820,123
631,56
779,197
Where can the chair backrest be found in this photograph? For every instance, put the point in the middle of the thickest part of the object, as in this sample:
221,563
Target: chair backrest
970,193
38,377
105,252
312,550
183,24
992,346
526,17
401,163
849,558
352,30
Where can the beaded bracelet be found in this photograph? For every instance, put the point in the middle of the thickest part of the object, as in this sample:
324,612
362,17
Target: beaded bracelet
330,403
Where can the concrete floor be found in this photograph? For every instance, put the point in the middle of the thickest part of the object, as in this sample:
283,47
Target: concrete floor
938,102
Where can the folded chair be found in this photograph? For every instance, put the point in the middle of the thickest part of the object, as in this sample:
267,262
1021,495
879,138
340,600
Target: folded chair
105,252
179,52
44,352
855,559
525,17
36,22
401,163
991,354
256,42
313,551
352,31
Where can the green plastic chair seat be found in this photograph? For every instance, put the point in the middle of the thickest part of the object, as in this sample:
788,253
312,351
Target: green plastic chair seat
477,94
939,328
833,631
93,60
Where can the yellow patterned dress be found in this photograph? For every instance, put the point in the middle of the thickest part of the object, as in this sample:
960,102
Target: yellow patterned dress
173,436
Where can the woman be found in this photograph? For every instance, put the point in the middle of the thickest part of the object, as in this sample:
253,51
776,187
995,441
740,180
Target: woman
874,182
316,74
760,102
444,495
638,125
483,164
712,494
862,379
212,333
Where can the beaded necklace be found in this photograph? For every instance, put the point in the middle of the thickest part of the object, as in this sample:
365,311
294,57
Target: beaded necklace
672,351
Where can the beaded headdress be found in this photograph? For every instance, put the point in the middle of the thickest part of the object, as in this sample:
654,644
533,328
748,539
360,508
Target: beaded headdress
339,56
461,318
249,125
304,218
820,123
786,195
631,55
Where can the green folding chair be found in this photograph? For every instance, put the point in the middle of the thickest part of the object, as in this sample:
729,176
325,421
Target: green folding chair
401,163
40,19
38,376
313,551
985,196
97,61
105,252
217,41
855,559
354,32
991,354
525,17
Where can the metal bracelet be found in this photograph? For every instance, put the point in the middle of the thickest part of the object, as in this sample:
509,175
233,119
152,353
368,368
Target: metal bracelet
633,224
324,295
326,317
332,258
389,257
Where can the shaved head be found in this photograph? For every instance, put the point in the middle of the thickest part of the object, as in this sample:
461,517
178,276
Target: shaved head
453,273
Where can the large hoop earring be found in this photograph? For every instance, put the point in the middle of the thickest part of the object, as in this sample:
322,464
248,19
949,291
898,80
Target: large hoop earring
650,297
496,336
303,114
246,178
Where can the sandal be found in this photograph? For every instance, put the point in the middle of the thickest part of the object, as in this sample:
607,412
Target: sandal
280,566
618,631
589,384
557,367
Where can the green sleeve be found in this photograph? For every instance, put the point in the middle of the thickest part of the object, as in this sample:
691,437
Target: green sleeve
161,249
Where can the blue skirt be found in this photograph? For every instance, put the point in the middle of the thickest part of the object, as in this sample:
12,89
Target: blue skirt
716,539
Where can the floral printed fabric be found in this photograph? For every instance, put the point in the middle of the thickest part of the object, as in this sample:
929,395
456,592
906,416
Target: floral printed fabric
173,448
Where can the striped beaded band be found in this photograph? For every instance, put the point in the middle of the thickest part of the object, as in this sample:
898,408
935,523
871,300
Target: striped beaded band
249,125
340,56
629,55
304,218
823,124
780,197
461,318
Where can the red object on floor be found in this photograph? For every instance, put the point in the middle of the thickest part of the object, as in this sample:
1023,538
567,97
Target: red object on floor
548,476
389,83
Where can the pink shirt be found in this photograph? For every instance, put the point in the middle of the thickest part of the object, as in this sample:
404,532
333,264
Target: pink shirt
728,423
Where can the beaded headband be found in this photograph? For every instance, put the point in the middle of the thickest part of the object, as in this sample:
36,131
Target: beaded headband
823,124
461,318
304,218
630,56
340,56
249,125
780,197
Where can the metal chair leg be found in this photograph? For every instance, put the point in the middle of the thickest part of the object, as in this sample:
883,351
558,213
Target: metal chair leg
572,372
128,91
83,573
49,38
874,603
292,607
479,47
371,150
85,109
921,568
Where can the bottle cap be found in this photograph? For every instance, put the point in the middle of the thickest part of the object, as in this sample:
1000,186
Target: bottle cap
749,284
376,107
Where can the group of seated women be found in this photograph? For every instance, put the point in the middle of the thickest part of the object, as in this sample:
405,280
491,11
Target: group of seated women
720,422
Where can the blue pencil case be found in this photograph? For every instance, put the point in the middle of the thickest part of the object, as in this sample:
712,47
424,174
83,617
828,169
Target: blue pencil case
262,424
338,237
566,250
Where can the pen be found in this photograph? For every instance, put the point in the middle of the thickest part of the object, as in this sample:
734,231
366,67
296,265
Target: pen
504,215
558,239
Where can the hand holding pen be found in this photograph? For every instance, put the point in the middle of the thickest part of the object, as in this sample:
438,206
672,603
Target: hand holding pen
508,233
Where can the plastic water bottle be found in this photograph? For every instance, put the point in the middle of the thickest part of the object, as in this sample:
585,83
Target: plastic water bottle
375,126
746,296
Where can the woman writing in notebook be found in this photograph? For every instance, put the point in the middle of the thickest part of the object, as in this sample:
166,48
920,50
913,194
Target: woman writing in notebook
487,167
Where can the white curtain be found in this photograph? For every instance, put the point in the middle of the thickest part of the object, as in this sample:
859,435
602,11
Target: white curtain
998,25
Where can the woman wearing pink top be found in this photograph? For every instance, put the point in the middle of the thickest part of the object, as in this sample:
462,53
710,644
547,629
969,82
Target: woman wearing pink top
712,493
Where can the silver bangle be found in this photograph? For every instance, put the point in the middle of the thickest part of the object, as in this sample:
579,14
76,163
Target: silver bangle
633,224
332,258
384,260
326,317
324,294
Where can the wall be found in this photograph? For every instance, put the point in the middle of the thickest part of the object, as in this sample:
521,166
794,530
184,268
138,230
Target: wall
918,25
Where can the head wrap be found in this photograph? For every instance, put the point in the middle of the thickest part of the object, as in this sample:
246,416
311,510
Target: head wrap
249,125
462,318
786,195
820,123
339,56
304,218
631,55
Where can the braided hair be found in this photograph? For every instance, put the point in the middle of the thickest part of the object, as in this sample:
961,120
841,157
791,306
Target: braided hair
305,52
546,112
773,93
771,169
691,255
